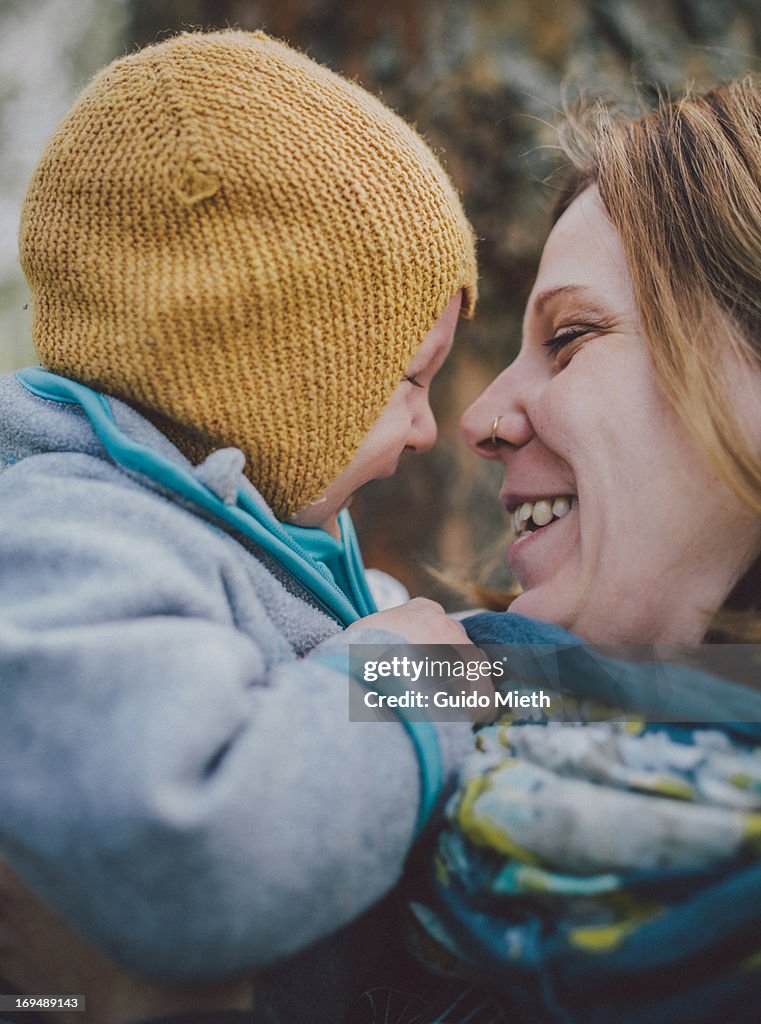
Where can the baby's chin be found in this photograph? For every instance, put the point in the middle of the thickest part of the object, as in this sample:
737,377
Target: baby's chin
385,473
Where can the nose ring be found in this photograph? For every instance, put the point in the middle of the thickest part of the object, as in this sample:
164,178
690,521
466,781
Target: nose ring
494,427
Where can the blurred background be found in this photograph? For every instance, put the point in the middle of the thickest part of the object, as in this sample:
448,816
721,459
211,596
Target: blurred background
483,80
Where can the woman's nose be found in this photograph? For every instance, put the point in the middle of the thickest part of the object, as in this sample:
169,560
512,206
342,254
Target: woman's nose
498,417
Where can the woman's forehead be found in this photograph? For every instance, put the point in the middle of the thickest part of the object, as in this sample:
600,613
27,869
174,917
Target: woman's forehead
583,261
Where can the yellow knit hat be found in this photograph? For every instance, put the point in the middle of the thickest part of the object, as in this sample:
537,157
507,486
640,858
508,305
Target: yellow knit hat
245,246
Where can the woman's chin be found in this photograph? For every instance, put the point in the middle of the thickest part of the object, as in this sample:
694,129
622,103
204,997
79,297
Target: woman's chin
597,624
536,603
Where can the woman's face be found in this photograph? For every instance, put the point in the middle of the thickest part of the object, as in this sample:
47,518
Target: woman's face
406,424
634,538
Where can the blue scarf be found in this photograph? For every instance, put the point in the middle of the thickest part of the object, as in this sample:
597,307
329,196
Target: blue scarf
604,870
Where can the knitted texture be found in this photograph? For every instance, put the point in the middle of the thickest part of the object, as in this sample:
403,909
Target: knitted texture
245,246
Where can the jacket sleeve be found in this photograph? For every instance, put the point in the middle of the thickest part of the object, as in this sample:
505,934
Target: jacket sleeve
192,803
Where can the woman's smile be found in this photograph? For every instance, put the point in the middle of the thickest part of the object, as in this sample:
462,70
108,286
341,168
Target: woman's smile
530,515
546,534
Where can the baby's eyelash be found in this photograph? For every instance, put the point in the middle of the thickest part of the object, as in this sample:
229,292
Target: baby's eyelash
413,380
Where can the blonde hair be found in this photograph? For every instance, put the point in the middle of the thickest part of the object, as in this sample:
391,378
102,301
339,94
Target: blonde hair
682,186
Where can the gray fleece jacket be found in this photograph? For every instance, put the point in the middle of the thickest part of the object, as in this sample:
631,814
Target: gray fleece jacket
178,773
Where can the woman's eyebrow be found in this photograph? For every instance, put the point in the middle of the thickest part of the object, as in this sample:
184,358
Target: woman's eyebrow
575,290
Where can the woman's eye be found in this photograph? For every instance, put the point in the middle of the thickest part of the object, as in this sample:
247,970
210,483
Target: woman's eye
413,380
565,338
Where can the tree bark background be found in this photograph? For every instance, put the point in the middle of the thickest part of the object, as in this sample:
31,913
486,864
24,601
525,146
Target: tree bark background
483,80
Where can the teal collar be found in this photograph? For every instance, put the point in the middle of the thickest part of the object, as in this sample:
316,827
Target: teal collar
341,590
342,559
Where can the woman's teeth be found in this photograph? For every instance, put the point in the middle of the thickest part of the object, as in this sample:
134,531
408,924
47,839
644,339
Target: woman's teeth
533,514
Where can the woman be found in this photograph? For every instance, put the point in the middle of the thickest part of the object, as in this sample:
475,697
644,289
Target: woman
245,273
610,871
652,436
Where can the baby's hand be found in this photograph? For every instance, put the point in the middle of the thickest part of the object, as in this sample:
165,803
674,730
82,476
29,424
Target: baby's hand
420,621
